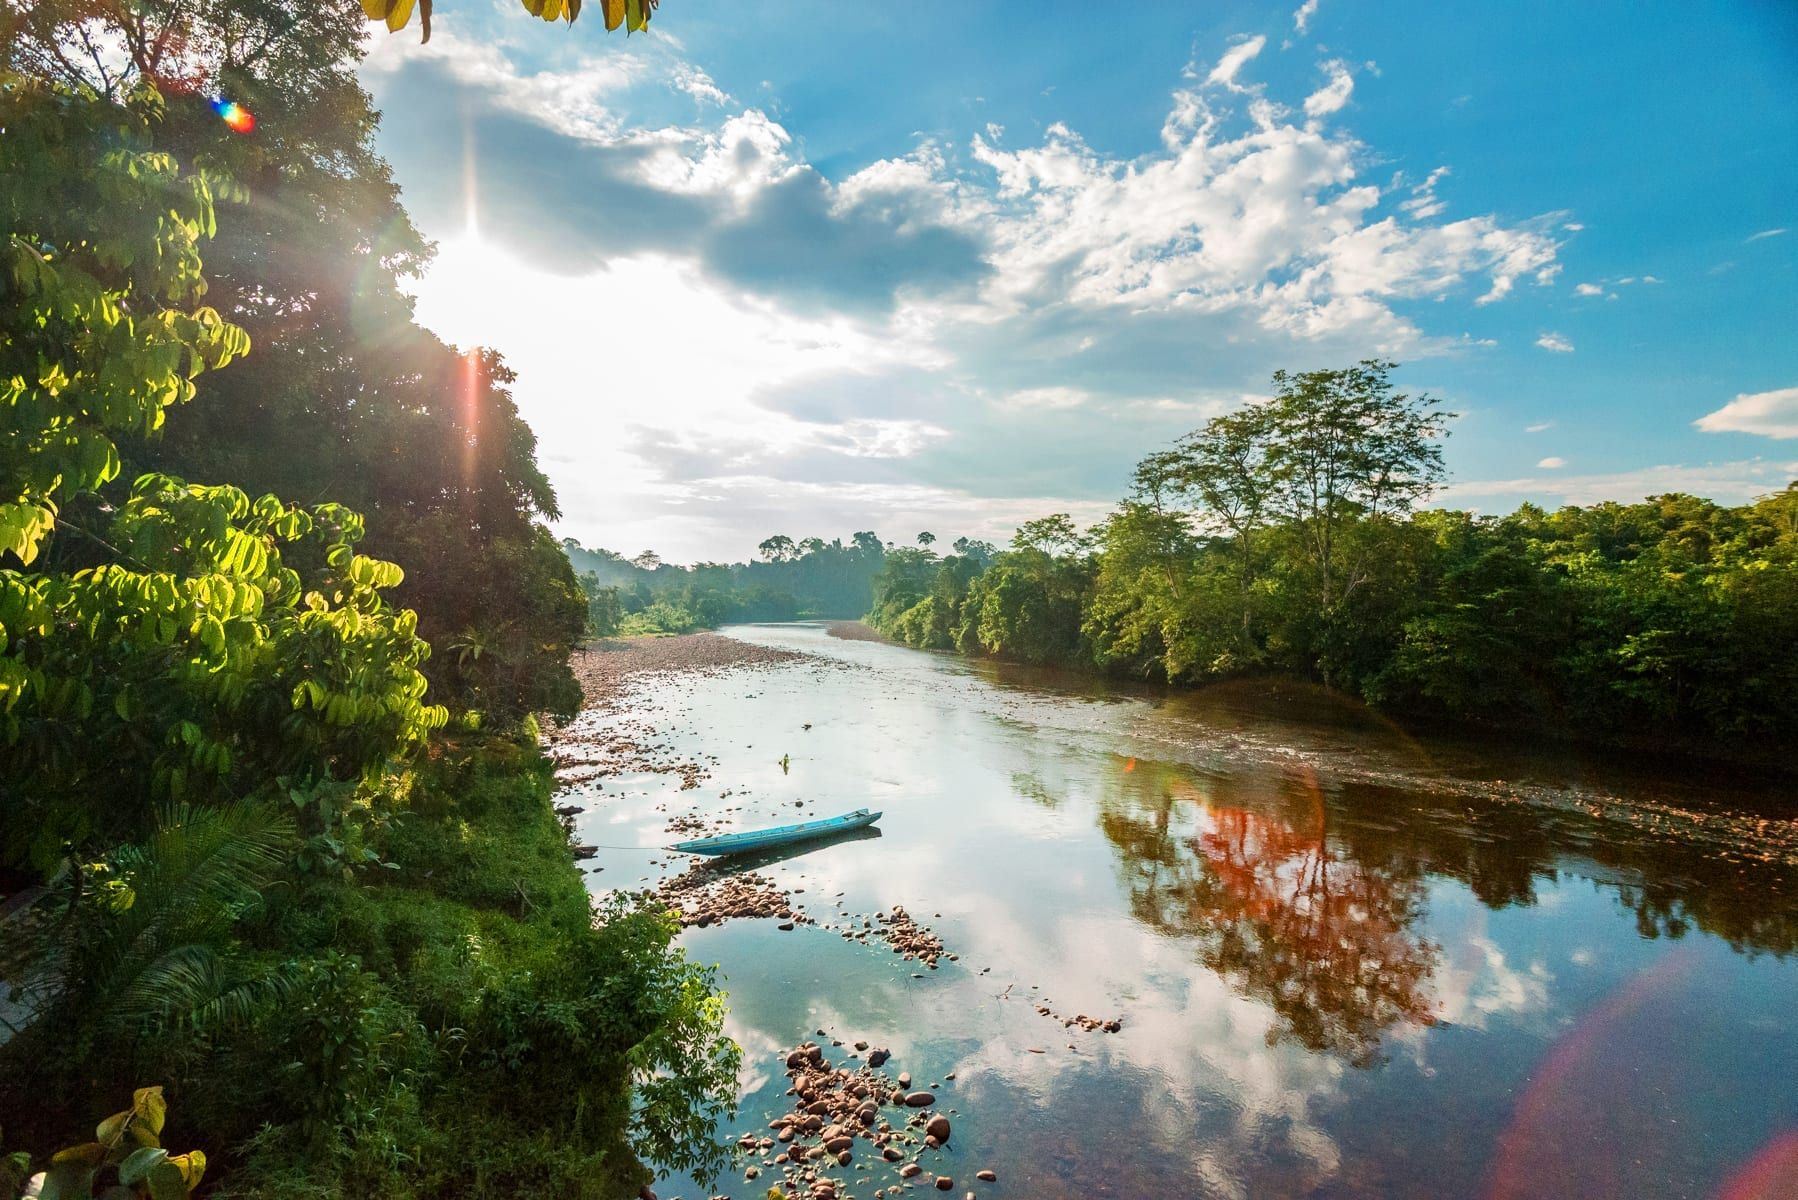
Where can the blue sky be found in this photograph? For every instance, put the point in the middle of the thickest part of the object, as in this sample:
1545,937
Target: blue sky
811,268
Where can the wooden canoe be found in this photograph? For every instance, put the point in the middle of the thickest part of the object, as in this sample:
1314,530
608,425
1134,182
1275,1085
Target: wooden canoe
779,835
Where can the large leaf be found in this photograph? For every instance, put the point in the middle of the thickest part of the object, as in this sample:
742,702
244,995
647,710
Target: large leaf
632,14
139,1162
150,1109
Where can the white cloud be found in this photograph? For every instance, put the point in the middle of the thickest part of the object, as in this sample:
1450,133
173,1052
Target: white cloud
1771,414
1332,96
697,84
1234,59
1551,463
1050,399
1424,202
1732,482
1599,287
576,101
1556,342
1766,233
1301,17
1093,286
1274,220
743,157
1539,427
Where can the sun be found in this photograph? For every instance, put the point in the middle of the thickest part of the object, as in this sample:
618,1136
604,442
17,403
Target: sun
462,295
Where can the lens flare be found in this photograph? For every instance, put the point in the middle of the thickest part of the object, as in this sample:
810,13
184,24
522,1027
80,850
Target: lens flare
236,117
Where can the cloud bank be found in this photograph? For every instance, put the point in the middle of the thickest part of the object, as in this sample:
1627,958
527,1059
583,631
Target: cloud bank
1072,305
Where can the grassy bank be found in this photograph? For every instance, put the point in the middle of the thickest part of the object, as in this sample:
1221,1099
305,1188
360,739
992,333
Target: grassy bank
451,1019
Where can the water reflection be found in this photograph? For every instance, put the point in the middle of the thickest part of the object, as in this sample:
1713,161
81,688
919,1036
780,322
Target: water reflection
1341,971
1253,881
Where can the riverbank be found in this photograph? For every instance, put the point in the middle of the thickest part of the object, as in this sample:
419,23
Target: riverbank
1757,755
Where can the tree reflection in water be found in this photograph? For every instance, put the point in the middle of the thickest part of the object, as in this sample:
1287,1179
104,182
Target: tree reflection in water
1275,909
1305,897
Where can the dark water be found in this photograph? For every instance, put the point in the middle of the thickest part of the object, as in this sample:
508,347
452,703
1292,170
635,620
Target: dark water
1349,962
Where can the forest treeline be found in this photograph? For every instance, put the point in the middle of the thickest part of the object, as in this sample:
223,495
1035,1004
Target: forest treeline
280,880
1289,538
809,578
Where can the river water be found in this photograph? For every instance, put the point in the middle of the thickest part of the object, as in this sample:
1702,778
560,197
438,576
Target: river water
1348,961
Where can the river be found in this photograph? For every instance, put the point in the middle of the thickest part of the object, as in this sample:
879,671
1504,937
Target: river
1347,961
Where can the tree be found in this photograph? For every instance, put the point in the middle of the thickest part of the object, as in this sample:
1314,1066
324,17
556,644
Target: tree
368,407
779,548
1225,472
209,710
165,649
1343,447
1053,534
975,551
926,539
117,47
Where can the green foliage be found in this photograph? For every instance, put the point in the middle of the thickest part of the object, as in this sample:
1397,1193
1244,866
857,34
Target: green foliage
660,618
200,665
141,941
460,1023
309,260
1286,538
173,651
1024,603
102,329
467,1025
211,712
128,1148
605,607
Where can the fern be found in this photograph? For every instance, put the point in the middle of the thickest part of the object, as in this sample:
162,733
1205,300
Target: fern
147,946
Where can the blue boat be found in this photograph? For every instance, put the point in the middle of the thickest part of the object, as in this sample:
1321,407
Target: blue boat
781,835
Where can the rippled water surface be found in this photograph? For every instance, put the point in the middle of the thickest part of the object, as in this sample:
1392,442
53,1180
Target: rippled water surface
1349,962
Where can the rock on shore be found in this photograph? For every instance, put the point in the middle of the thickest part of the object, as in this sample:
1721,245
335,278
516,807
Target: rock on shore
840,1115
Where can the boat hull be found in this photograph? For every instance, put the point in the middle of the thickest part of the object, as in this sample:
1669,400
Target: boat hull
780,835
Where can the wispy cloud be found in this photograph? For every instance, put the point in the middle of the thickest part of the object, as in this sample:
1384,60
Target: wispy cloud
1539,427
1301,17
1733,482
1233,61
1555,342
1424,203
1551,463
1334,95
1765,233
697,84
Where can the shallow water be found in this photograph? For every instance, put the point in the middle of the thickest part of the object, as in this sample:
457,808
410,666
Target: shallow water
1349,962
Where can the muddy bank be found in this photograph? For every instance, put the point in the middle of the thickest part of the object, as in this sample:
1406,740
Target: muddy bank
857,631
606,670
605,666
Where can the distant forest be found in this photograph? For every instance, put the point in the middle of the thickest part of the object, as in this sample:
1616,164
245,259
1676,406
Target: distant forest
792,579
